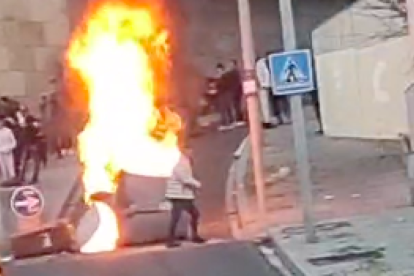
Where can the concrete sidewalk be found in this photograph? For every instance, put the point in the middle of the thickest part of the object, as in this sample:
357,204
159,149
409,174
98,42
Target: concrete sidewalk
361,183
382,244
56,182
351,177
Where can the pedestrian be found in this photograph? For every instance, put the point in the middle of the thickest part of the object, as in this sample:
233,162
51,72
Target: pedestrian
35,150
236,90
224,98
18,133
44,108
180,192
7,145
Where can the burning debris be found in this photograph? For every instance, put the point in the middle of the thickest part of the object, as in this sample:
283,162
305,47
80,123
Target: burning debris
121,54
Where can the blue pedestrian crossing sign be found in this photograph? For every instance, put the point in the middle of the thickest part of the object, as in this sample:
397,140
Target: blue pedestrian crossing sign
291,72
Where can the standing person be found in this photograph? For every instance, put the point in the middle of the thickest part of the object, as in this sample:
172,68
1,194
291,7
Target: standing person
44,108
265,92
224,98
21,136
180,192
7,145
18,133
35,149
236,87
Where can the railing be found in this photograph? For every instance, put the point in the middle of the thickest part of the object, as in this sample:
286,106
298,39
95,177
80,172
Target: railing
236,197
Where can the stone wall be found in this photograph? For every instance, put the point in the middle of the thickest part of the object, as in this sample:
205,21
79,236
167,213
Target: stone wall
32,34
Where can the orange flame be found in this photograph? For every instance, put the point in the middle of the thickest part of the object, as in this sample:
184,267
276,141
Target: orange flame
121,54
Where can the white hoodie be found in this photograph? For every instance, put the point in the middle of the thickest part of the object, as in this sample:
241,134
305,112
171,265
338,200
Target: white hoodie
181,184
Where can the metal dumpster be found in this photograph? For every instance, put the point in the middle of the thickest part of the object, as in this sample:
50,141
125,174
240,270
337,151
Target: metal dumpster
138,203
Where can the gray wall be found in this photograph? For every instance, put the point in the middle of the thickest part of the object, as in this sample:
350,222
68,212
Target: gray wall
212,30
361,24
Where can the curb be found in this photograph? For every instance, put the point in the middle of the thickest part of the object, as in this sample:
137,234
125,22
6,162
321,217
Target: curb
234,205
269,254
232,197
286,261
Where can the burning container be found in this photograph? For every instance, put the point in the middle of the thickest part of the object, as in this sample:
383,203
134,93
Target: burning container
142,211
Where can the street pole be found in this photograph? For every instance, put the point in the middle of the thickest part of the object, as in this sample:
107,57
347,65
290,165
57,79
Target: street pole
251,93
299,127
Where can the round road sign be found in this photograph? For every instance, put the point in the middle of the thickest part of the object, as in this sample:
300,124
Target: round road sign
27,201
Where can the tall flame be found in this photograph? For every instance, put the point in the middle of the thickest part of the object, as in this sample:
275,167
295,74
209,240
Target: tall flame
120,53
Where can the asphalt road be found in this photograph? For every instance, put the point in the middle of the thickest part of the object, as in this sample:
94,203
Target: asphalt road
222,259
213,153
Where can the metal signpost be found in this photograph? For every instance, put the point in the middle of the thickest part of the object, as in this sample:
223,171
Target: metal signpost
292,75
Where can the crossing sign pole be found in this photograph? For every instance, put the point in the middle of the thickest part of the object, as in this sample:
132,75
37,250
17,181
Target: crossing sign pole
299,128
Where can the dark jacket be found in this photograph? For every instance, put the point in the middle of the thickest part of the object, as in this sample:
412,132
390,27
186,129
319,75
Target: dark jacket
33,132
224,85
235,83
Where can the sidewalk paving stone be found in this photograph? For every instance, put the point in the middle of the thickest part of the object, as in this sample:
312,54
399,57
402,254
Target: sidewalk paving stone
364,245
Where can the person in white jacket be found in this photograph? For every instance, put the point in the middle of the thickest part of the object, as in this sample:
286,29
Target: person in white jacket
7,145
181,192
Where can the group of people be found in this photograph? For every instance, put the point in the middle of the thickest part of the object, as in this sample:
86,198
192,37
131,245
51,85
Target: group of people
278,104
24,139
225,95
21,141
